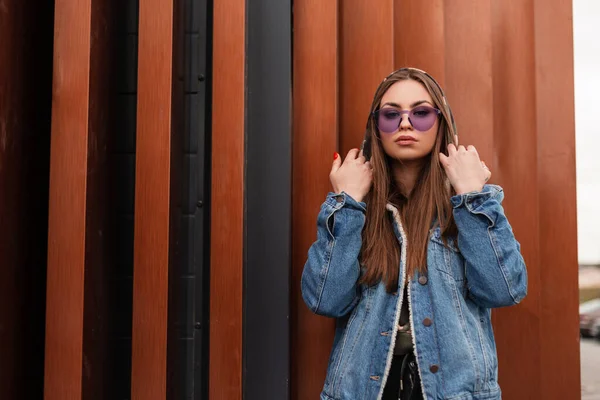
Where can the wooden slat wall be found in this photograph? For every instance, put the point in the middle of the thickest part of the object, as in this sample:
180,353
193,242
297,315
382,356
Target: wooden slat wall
80,253
553,31
152,200
227,200
507,70
67,203
515,169
315,119
367,56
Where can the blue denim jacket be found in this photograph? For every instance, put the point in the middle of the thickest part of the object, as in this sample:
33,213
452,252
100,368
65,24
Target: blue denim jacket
450,306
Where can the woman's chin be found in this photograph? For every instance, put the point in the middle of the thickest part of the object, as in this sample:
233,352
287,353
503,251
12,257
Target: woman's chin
408,155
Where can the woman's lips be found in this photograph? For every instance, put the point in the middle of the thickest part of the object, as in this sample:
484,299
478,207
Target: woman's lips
406,140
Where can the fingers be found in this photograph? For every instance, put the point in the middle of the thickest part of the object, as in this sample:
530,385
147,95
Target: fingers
337,162
452,149
355,155
444,159
456,140
472,148
488,174
352,155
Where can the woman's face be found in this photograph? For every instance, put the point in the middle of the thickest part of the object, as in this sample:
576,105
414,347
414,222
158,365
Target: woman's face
407,143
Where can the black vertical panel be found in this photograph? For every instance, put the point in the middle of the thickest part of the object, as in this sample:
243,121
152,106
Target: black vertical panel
267,238
26,50
200,129
189,284
119,292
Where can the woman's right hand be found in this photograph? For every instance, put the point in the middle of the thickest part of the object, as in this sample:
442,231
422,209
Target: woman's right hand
353,176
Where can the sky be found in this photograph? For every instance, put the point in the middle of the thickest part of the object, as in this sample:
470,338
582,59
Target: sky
586,32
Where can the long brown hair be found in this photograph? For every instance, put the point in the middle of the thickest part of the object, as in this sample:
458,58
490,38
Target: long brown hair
428,202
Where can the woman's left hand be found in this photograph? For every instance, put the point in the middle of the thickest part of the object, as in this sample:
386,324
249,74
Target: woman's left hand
466,172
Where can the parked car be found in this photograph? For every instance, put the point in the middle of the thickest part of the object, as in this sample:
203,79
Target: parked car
589,318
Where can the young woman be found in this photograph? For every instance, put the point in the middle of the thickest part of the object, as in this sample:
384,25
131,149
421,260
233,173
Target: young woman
413,251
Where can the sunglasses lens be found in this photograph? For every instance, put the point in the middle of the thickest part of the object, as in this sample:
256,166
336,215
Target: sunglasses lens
388,120
423,118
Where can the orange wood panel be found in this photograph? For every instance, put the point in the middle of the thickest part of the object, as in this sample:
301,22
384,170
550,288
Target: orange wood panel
367,56
517,329
419,36
315,135
227,200
152,205
468,86
560,372
67,202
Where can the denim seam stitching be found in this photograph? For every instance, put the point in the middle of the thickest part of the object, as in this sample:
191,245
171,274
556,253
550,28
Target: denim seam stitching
330,231
330,246
466,330
500,260
485,362
357,336
335,379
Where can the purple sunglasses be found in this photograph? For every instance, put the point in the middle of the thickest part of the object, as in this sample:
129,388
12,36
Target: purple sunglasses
422,118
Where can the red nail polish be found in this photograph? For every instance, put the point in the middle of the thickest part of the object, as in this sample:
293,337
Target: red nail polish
335,156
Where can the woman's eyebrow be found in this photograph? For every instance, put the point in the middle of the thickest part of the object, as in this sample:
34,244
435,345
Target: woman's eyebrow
396,105
416,103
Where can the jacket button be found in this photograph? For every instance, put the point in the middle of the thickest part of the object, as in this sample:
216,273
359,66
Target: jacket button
423,280
434,368
427,322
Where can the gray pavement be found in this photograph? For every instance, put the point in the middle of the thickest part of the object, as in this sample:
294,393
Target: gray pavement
590,369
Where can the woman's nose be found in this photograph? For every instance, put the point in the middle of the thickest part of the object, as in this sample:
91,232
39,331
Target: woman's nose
405,122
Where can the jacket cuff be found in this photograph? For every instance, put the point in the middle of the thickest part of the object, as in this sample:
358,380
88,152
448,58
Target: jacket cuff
474,200
339,200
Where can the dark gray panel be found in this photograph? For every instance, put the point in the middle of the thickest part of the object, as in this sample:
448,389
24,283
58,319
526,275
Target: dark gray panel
194,117
190,170
125,121
127,63
267,241
121,302
124,182
187,367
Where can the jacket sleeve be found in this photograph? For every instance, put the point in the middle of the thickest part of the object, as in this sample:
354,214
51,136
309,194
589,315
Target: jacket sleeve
329,279
495,269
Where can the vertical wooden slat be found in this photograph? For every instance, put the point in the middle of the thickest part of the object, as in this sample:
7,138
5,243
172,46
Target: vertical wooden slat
515,143
152,205
367,56
468,86
315,131
419,36
553,31
227,204
67,202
